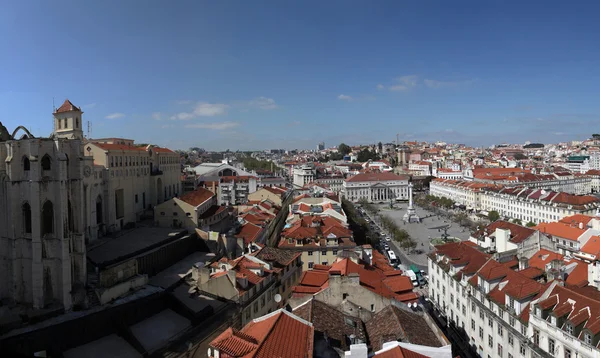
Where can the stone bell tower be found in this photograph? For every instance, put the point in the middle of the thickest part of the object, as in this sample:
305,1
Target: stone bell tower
68,121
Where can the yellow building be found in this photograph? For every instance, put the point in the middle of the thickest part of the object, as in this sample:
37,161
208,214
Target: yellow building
190,211
274,194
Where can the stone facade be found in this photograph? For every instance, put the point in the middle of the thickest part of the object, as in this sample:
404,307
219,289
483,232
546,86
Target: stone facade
42,248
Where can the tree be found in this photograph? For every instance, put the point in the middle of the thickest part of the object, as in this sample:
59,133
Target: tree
517,221
380,146
344,149
365,154
530,224
520,156
493,215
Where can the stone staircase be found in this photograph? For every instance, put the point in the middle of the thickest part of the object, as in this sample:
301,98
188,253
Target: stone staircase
92,297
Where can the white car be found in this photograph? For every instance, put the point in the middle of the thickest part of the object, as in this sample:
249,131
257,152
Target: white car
387,238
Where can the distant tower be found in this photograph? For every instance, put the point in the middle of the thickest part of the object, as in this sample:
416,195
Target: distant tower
68,121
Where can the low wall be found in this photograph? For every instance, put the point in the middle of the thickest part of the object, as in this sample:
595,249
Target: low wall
106,295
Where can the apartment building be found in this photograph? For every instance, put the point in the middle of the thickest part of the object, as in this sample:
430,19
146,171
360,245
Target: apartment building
195,209
420,167
525,204
138,177
487,299
376,187
326,205
319,239
303,175
233,185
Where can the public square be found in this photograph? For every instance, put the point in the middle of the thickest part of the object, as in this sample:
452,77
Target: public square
421,232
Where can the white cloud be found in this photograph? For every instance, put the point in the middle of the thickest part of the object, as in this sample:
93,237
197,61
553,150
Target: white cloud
380,86
440,84
202,110
157,116
344,97
263,103
115,116
219,126
405,83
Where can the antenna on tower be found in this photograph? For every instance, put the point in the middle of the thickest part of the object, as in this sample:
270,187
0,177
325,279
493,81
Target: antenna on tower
89,130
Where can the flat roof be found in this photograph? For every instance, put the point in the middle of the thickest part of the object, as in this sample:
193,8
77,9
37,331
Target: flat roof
108,346
155,332
109,251
196,303
174,273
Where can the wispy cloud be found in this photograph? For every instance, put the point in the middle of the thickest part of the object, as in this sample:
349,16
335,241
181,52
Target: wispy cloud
89,105
344,97
219,126
202,110
380,86
157,116
435,84
263,103
115,115
404,83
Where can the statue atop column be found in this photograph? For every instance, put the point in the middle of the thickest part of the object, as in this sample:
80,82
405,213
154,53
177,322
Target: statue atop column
411,213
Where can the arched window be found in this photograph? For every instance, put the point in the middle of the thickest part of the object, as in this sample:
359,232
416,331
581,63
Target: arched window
76,122
26,209
46,162
47,218
26,163
70,220
60,124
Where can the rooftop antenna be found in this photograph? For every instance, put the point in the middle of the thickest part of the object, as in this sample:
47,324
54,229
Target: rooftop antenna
89,130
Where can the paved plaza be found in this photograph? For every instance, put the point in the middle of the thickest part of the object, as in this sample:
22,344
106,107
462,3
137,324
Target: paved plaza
421,232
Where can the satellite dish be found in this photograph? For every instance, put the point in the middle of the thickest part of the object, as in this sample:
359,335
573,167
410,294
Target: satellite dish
277,298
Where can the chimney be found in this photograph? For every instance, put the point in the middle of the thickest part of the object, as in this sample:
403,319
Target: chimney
200,273
354,279
581,225
242,280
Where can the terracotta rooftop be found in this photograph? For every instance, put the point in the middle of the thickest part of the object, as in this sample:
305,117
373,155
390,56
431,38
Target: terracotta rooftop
558,229
278,334
398,352
67,106
518,233
123,147
197,197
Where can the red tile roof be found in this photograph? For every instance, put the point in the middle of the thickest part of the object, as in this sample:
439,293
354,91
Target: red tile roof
543,257
576,219
518,233
250,233
67,106
162,150
561,230
124,147
197,197
278,334
398,352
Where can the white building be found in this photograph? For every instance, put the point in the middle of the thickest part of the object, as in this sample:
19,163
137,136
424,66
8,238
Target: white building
420,167
446,173
535,205
376,187
234,184
303,175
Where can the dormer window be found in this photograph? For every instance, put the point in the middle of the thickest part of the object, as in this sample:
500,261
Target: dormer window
569,328
587,338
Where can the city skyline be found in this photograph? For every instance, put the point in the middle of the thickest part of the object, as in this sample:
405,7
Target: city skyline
271,75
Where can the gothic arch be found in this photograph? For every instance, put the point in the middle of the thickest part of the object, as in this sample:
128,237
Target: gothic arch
47,218
26,212
25,136
26,163
46,162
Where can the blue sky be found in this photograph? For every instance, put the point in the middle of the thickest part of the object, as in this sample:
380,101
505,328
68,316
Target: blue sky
289,74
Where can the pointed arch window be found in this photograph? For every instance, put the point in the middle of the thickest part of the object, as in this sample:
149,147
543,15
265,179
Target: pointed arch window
26,164
26,209
46,162
47,218
76,122
70,220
